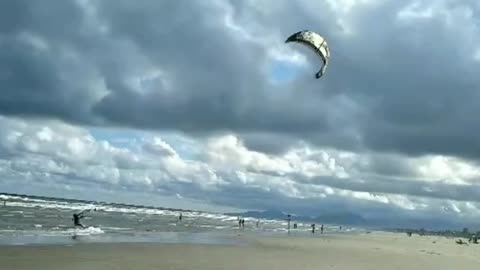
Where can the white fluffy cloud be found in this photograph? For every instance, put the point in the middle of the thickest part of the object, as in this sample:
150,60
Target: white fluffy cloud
52,153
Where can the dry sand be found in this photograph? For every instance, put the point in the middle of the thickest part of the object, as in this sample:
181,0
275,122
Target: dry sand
380,251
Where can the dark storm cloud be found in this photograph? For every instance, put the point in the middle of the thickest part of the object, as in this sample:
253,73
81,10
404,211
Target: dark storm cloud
426,97
402,85
269,143
215,76
33,82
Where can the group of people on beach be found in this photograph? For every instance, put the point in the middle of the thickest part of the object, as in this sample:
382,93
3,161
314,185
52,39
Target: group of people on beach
241,222
289,218
313,228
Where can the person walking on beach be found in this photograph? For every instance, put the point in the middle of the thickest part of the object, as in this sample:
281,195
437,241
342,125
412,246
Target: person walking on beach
313,228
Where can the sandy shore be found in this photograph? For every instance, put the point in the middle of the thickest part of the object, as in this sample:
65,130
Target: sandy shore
373,251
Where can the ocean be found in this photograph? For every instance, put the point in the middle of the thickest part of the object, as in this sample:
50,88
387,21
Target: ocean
30,220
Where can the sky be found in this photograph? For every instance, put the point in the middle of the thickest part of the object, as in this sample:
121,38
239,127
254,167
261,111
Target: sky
201,104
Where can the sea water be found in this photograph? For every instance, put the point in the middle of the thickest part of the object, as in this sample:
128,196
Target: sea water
26,220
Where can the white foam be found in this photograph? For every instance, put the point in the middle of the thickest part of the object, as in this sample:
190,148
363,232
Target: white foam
116,228
85,231
54,232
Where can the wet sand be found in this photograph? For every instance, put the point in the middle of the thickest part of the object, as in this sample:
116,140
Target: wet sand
373,251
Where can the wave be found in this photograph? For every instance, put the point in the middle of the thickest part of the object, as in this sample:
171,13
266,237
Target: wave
25,202
137,214
86,231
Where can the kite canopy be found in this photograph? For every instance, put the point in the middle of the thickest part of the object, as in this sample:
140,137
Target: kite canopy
315,42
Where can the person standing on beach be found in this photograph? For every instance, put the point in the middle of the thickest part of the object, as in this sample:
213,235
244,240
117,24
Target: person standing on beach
313,228
321,229
288,221
180,217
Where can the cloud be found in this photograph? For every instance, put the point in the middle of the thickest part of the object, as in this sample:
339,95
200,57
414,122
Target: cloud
390,126
305,179
390,86
108,70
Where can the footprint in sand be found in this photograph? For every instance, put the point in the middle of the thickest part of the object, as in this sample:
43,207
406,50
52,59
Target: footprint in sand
430,252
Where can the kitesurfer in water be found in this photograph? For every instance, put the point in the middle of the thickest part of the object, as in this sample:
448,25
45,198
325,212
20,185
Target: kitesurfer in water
76,218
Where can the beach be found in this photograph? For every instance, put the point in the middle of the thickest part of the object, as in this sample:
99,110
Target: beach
366,251
37,233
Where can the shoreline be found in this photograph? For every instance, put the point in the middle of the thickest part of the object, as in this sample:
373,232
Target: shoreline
207,238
